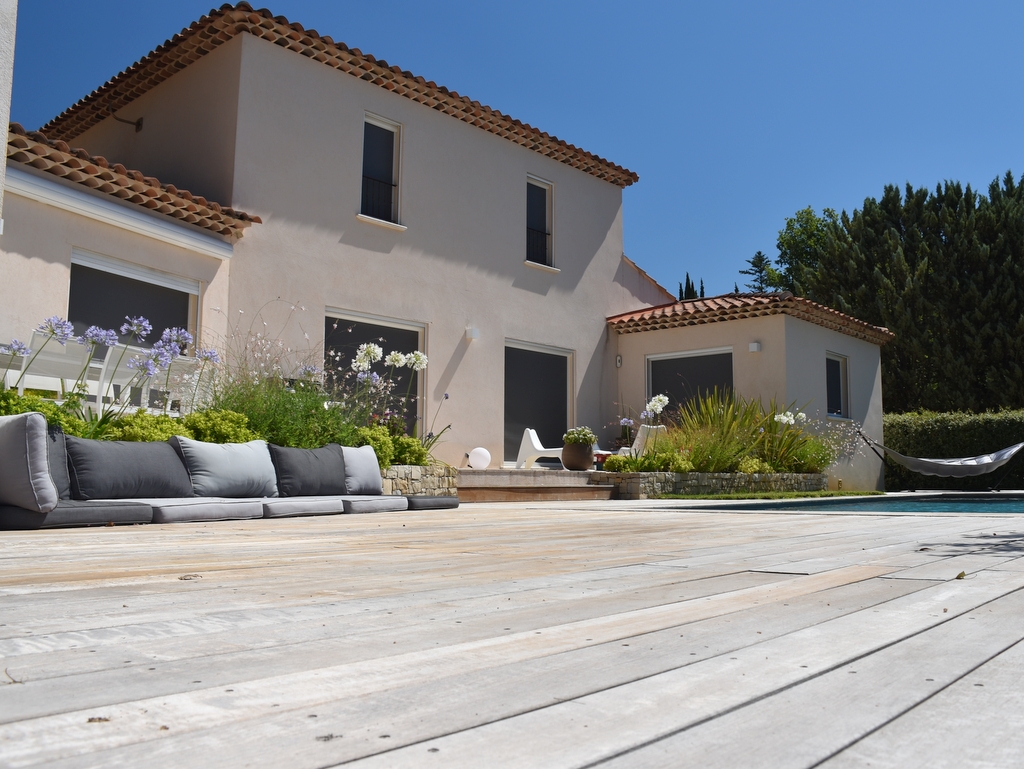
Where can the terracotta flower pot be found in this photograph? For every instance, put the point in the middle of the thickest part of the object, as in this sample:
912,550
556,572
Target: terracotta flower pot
578,456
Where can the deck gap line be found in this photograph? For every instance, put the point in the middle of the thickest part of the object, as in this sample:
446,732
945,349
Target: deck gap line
917,704
826,671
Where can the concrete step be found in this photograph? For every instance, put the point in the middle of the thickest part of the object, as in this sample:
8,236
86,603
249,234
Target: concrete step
534,477
534,493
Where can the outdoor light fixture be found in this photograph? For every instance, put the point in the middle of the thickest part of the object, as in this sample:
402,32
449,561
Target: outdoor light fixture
618,361
479,458
472,332
755,347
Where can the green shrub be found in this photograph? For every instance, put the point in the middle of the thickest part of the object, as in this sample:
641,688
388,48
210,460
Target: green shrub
12,403
288,416
953,434
378,437
409,451
667,461
753,465
218,426
143,426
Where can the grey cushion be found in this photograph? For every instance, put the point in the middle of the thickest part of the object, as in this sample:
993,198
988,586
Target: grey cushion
283,507
362,472
57,451
204,509
125,470
309,472
432,503
73,512
228,469
375,504
25,479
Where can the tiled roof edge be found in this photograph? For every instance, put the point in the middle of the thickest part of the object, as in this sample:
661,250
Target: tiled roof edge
34,149
696,312
221,25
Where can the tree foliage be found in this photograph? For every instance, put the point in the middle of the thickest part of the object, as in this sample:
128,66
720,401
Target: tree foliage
688,290
799,243
943,270
761,273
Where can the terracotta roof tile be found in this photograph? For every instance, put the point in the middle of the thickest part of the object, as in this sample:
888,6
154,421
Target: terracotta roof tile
54,156
219,26
695,312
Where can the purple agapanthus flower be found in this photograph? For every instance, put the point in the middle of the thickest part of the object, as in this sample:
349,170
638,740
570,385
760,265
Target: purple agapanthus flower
137,327
99,336
626,422
60,329
309,371
368,376
143,364
207,355
176,336
647,415
161,354
16,348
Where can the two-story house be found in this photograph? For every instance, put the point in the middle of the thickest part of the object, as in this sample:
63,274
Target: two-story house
376,205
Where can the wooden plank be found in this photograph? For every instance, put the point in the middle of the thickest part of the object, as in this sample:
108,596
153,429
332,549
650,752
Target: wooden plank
949,568
816,719
975,721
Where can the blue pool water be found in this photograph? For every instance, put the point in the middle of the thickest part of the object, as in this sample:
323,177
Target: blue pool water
951,503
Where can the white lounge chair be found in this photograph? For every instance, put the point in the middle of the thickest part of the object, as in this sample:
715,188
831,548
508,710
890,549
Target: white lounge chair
115,372
55,364
647,437
530,450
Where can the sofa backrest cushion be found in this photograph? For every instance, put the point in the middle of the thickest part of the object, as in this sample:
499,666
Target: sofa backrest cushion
228,469
309,472
57,450
125,470
362,471
25,479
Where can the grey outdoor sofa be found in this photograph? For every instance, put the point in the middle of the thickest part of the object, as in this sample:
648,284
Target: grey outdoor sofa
51,480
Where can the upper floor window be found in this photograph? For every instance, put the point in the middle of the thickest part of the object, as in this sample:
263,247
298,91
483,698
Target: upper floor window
380,170
837,390
538,222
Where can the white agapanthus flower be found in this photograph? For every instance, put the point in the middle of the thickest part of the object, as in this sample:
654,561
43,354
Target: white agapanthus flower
395,359
360,365
801,417
416,360
786,418
369,353
658,403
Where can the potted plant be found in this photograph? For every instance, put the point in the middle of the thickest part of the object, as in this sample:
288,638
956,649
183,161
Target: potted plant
578,451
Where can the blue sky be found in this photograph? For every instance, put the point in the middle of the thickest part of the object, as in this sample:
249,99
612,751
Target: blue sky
735,114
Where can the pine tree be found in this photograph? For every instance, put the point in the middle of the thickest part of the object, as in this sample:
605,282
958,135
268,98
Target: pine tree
761,272
702,288
687,290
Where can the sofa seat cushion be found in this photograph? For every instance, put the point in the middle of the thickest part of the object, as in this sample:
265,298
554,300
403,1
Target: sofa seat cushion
362,471
228,469
74,512
197,509
25,479
309,472
125,470
372,503
283,507
432,503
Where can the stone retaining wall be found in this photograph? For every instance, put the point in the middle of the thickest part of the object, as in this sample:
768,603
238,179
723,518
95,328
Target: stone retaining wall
437,480
651,485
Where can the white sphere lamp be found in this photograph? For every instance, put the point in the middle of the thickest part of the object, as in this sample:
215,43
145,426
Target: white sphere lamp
479,458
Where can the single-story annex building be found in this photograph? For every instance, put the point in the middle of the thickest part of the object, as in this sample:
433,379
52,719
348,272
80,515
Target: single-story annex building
357,201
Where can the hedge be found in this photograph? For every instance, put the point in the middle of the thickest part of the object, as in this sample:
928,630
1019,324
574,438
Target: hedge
943,435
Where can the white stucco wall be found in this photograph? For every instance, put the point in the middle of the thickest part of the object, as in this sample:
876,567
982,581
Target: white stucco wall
790,368
35,262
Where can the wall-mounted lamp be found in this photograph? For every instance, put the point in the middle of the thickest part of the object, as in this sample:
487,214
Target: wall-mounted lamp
618,361
755,347
472,332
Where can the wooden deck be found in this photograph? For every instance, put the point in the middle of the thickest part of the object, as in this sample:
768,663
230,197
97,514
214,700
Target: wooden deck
613,634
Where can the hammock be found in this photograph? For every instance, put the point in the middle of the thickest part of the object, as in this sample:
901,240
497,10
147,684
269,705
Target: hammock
951,468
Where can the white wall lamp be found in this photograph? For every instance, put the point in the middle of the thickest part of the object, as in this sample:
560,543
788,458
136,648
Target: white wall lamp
472,332
755,347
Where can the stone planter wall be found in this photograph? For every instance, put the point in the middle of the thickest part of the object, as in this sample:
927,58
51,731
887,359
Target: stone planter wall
650,485
437,480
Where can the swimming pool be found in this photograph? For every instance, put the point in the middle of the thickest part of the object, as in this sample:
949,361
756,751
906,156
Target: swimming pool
923,503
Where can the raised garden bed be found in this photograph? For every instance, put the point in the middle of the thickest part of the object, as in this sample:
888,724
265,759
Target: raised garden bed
652,485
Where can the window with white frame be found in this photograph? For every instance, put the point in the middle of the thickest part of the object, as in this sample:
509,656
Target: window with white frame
380,169
538,222
836,385
104,291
